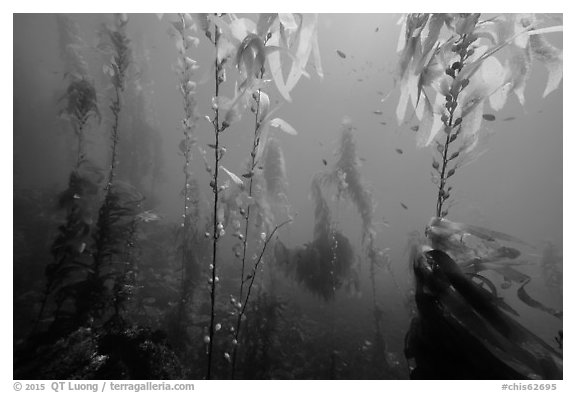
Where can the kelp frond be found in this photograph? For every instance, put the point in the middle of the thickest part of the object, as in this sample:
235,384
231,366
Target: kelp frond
449,82
346,176
115,227
71,45
275,171
322,216
81,101
325,264
71,262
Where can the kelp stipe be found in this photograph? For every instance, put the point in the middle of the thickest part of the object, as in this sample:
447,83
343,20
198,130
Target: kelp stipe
266,172
188,234
127,213
245,57
267,313
115,232
346,177
250,279
116,70
217,226
120,199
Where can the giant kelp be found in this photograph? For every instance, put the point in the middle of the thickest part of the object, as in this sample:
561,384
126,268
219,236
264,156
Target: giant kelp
80,102
275,171
551,267
121,203
141,137
191,248
71,260
451,67
242,42
79,200
450,81
345,175
456,313
232,304
325,264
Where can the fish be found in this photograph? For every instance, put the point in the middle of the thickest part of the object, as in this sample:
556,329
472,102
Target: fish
383,123
148,216
324,162
509,118
489,117
341,54
377,112
404,206
376,31
415,128
399,151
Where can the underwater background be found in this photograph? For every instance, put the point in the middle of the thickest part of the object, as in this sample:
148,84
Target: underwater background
298,324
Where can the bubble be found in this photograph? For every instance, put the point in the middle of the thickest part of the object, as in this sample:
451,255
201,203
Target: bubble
218,327
206,339
263,236
227,356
